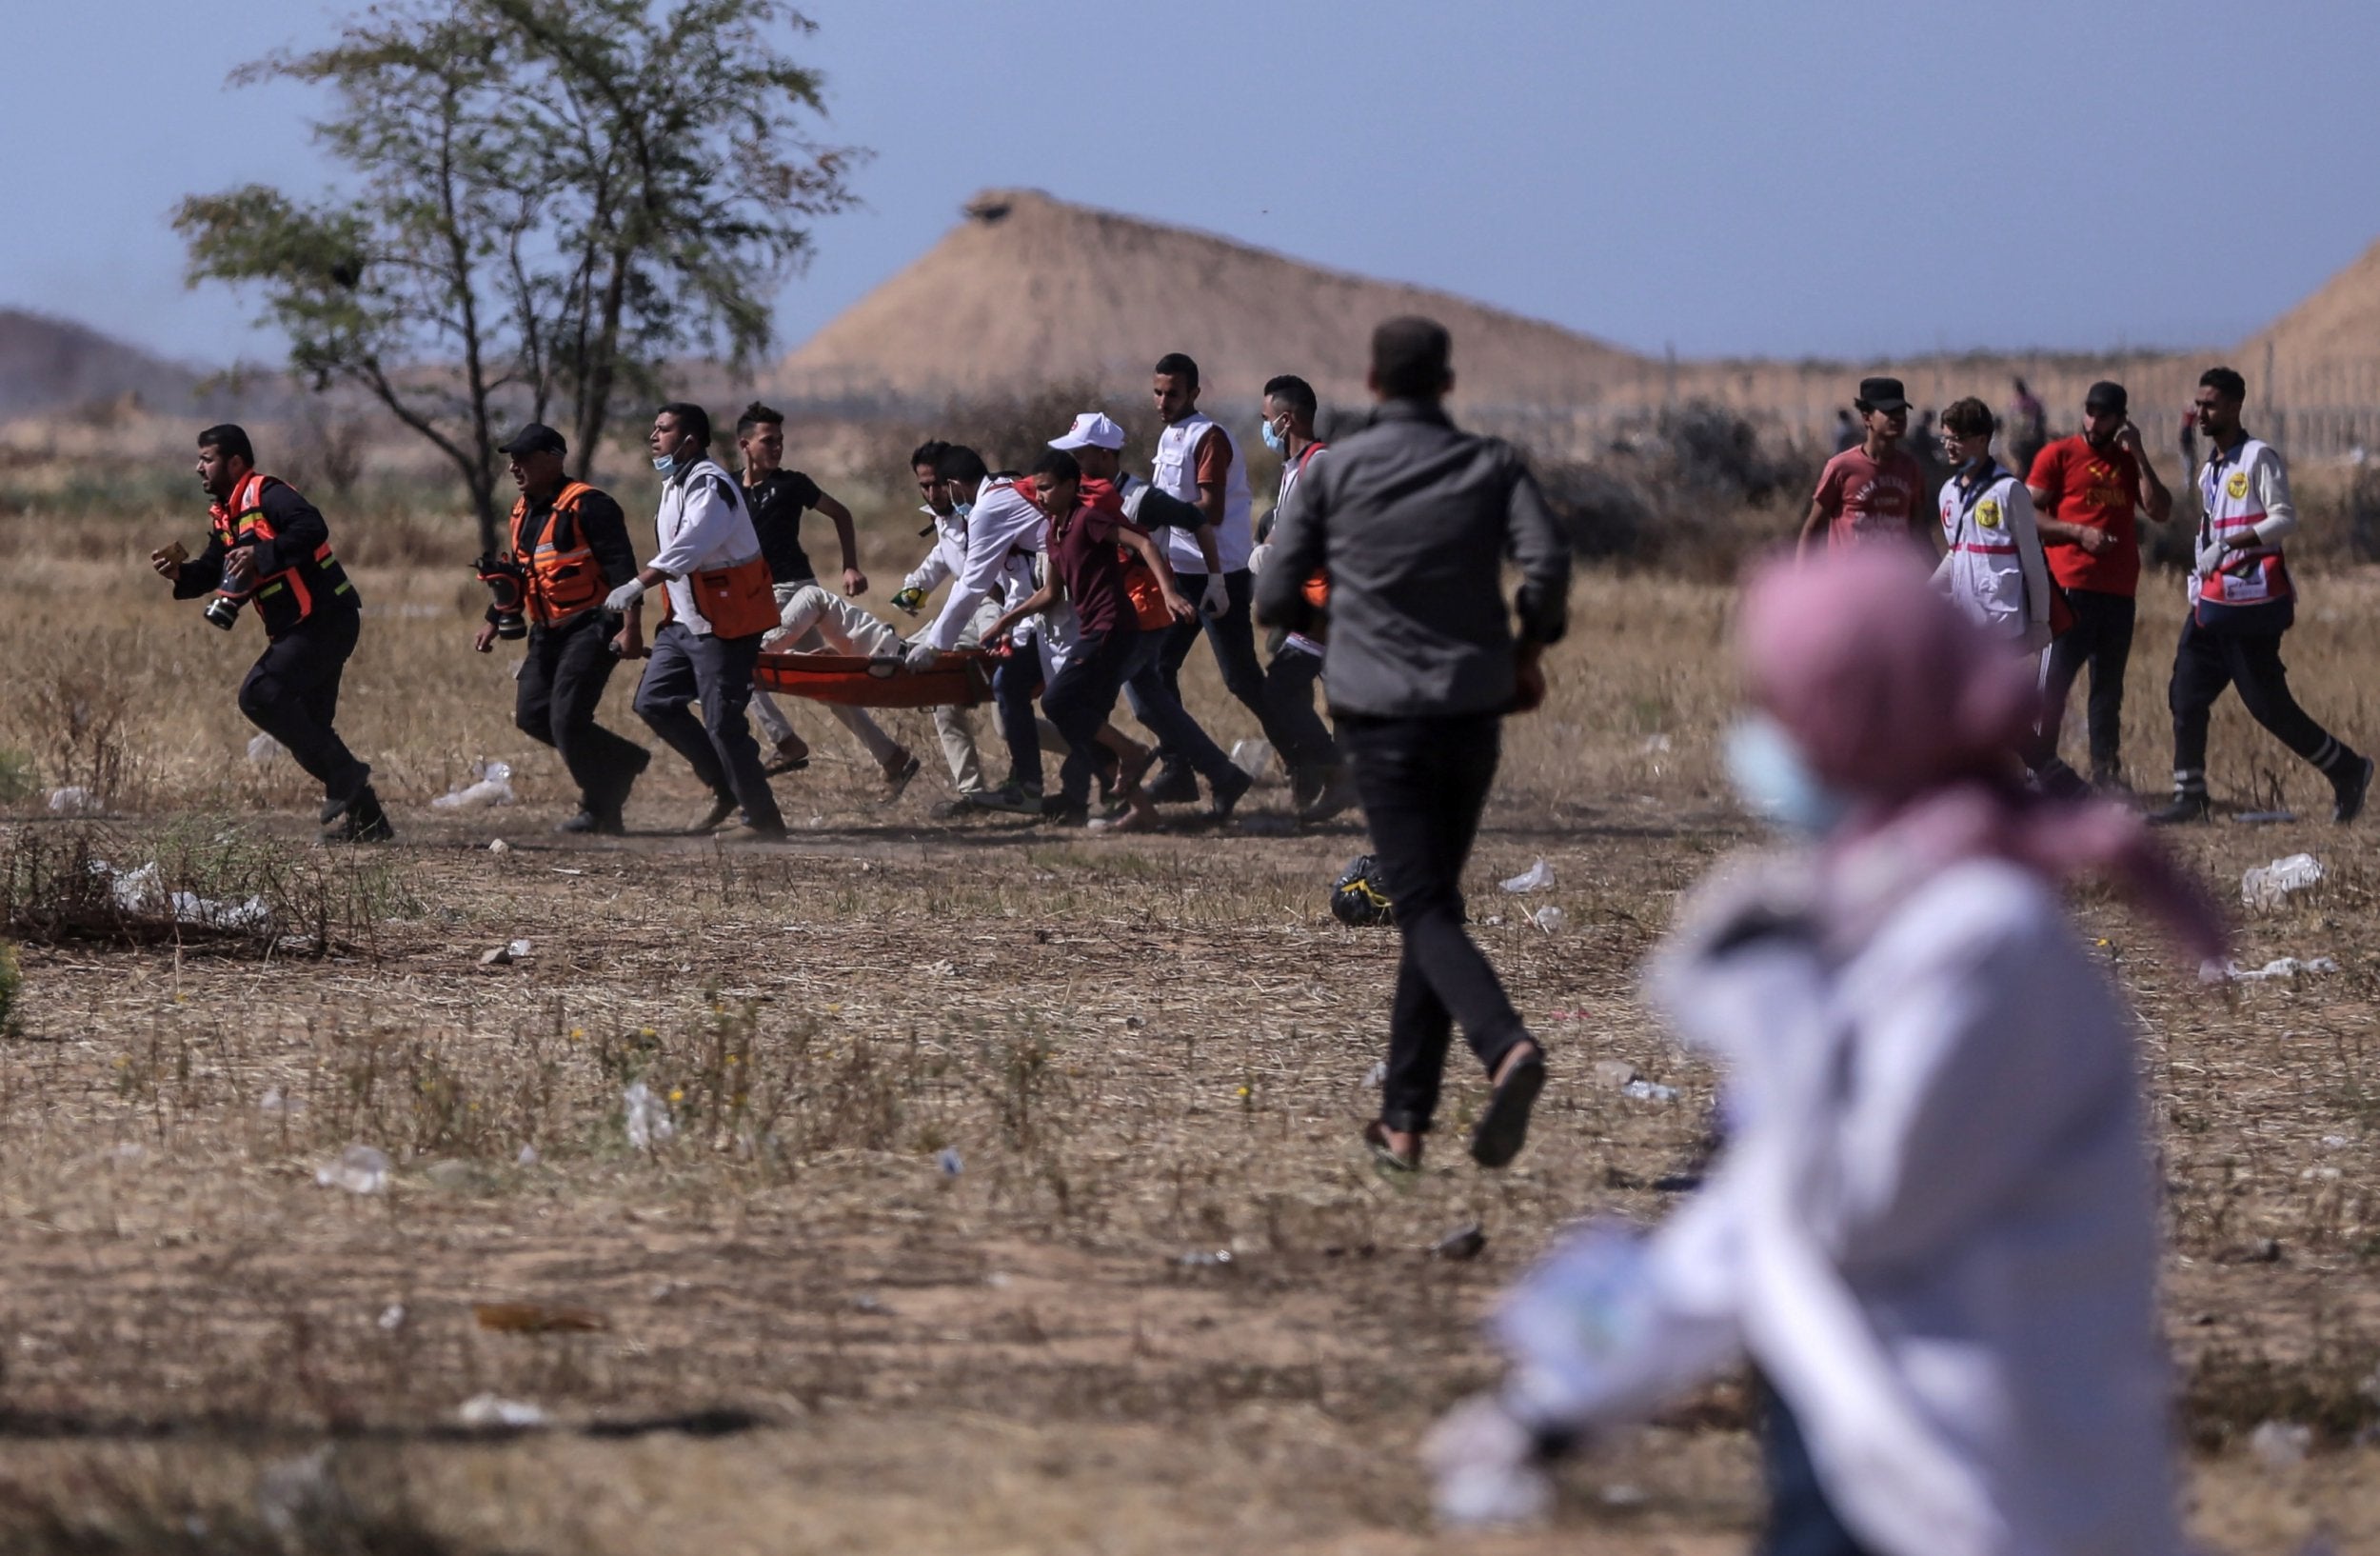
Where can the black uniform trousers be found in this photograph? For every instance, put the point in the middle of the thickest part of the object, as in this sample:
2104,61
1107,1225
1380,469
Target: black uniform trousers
2101,638
293,694
688,667
1424,783
563,677
1232,635
2204,663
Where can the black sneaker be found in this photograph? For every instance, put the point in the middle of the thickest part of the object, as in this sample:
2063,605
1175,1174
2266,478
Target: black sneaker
2351,792
333,808
1062,812
1503,1126
362,821
1174,786
592,823
1227,795
2189,805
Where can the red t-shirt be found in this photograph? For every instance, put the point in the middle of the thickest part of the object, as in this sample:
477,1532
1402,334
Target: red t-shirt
1866,499
2079,485
1085,558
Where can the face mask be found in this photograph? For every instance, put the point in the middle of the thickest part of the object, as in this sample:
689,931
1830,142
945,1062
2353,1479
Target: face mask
1775,780
963,509
666,463
1274,441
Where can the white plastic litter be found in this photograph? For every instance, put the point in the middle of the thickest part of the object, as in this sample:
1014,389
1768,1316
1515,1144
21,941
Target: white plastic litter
1648,1091
2284,967
360,1169
648,1120
2270,885
2281,1443
526,1158
1377,1076
490,1410
73,799
518,949
950,1161
491,785
391,1317
1253,757
1549,919
139,891
264,748
1536,878
499,846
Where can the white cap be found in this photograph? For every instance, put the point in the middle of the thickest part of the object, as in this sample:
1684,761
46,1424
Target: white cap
1091,431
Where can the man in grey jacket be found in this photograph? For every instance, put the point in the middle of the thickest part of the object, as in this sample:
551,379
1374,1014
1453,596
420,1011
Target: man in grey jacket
1413,520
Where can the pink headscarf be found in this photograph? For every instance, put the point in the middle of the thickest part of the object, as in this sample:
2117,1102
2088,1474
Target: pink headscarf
1901,704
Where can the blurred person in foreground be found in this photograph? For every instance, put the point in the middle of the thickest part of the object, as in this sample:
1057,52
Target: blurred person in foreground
267,546
1876,490
1934,1228
569,544
2090,492
2241,600
1414,519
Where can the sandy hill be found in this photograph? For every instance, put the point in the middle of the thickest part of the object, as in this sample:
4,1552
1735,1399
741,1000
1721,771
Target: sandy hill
49,364
2331,339
1030,290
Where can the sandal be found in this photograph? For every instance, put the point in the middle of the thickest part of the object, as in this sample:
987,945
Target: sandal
1385,1156
1503,1128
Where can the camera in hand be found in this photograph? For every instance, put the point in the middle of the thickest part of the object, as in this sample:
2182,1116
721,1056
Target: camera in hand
507,585
224,610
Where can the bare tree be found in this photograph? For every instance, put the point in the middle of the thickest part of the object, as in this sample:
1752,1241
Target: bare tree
550,199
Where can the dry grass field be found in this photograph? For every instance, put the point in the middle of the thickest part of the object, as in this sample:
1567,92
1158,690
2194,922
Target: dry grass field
1011,1200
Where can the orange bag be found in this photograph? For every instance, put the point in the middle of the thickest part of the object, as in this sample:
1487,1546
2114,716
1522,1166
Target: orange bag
739,601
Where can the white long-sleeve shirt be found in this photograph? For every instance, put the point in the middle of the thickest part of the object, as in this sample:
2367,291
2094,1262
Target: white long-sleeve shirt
1934,1229
1004,535
703,525
949,556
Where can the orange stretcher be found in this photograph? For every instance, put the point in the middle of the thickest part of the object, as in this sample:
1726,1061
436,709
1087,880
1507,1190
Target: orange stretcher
962,679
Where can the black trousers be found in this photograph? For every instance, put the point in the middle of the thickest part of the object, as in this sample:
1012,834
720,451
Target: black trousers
2101,638
563,676
1081,697
1424,783
1232,635
293,694
1303,740
2204,663
717,673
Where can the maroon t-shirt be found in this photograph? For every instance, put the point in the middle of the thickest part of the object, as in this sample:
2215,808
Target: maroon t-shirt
1868,499
1083,556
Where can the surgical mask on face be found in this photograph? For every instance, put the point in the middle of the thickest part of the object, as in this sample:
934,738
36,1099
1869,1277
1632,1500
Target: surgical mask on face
666,463
1775,781
1272,439
963,509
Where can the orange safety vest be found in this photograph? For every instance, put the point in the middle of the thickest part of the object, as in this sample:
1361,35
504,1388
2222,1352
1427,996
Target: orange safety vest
285,598
565,581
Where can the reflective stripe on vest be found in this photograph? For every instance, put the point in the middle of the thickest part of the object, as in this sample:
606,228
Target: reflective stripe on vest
283,599
2252,575
562,584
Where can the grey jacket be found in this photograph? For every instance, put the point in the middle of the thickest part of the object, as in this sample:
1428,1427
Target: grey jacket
1413,519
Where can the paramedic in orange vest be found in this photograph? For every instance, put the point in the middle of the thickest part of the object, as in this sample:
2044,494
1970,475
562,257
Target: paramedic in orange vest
720,604
572,543
269,548
2241,601
1318,780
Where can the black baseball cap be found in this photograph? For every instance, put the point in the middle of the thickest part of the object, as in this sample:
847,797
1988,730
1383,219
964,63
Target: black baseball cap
1881,395
2107,395
536,438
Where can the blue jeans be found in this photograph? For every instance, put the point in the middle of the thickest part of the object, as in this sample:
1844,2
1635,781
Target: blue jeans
717,673
1801,1521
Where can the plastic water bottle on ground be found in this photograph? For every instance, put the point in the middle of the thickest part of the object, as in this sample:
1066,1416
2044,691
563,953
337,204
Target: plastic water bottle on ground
491,785
2270,885
1536,878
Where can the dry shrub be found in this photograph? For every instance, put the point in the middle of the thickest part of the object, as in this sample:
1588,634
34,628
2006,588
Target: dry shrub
1694,491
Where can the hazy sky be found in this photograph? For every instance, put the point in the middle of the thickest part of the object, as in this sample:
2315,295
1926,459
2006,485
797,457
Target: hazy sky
1732,176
